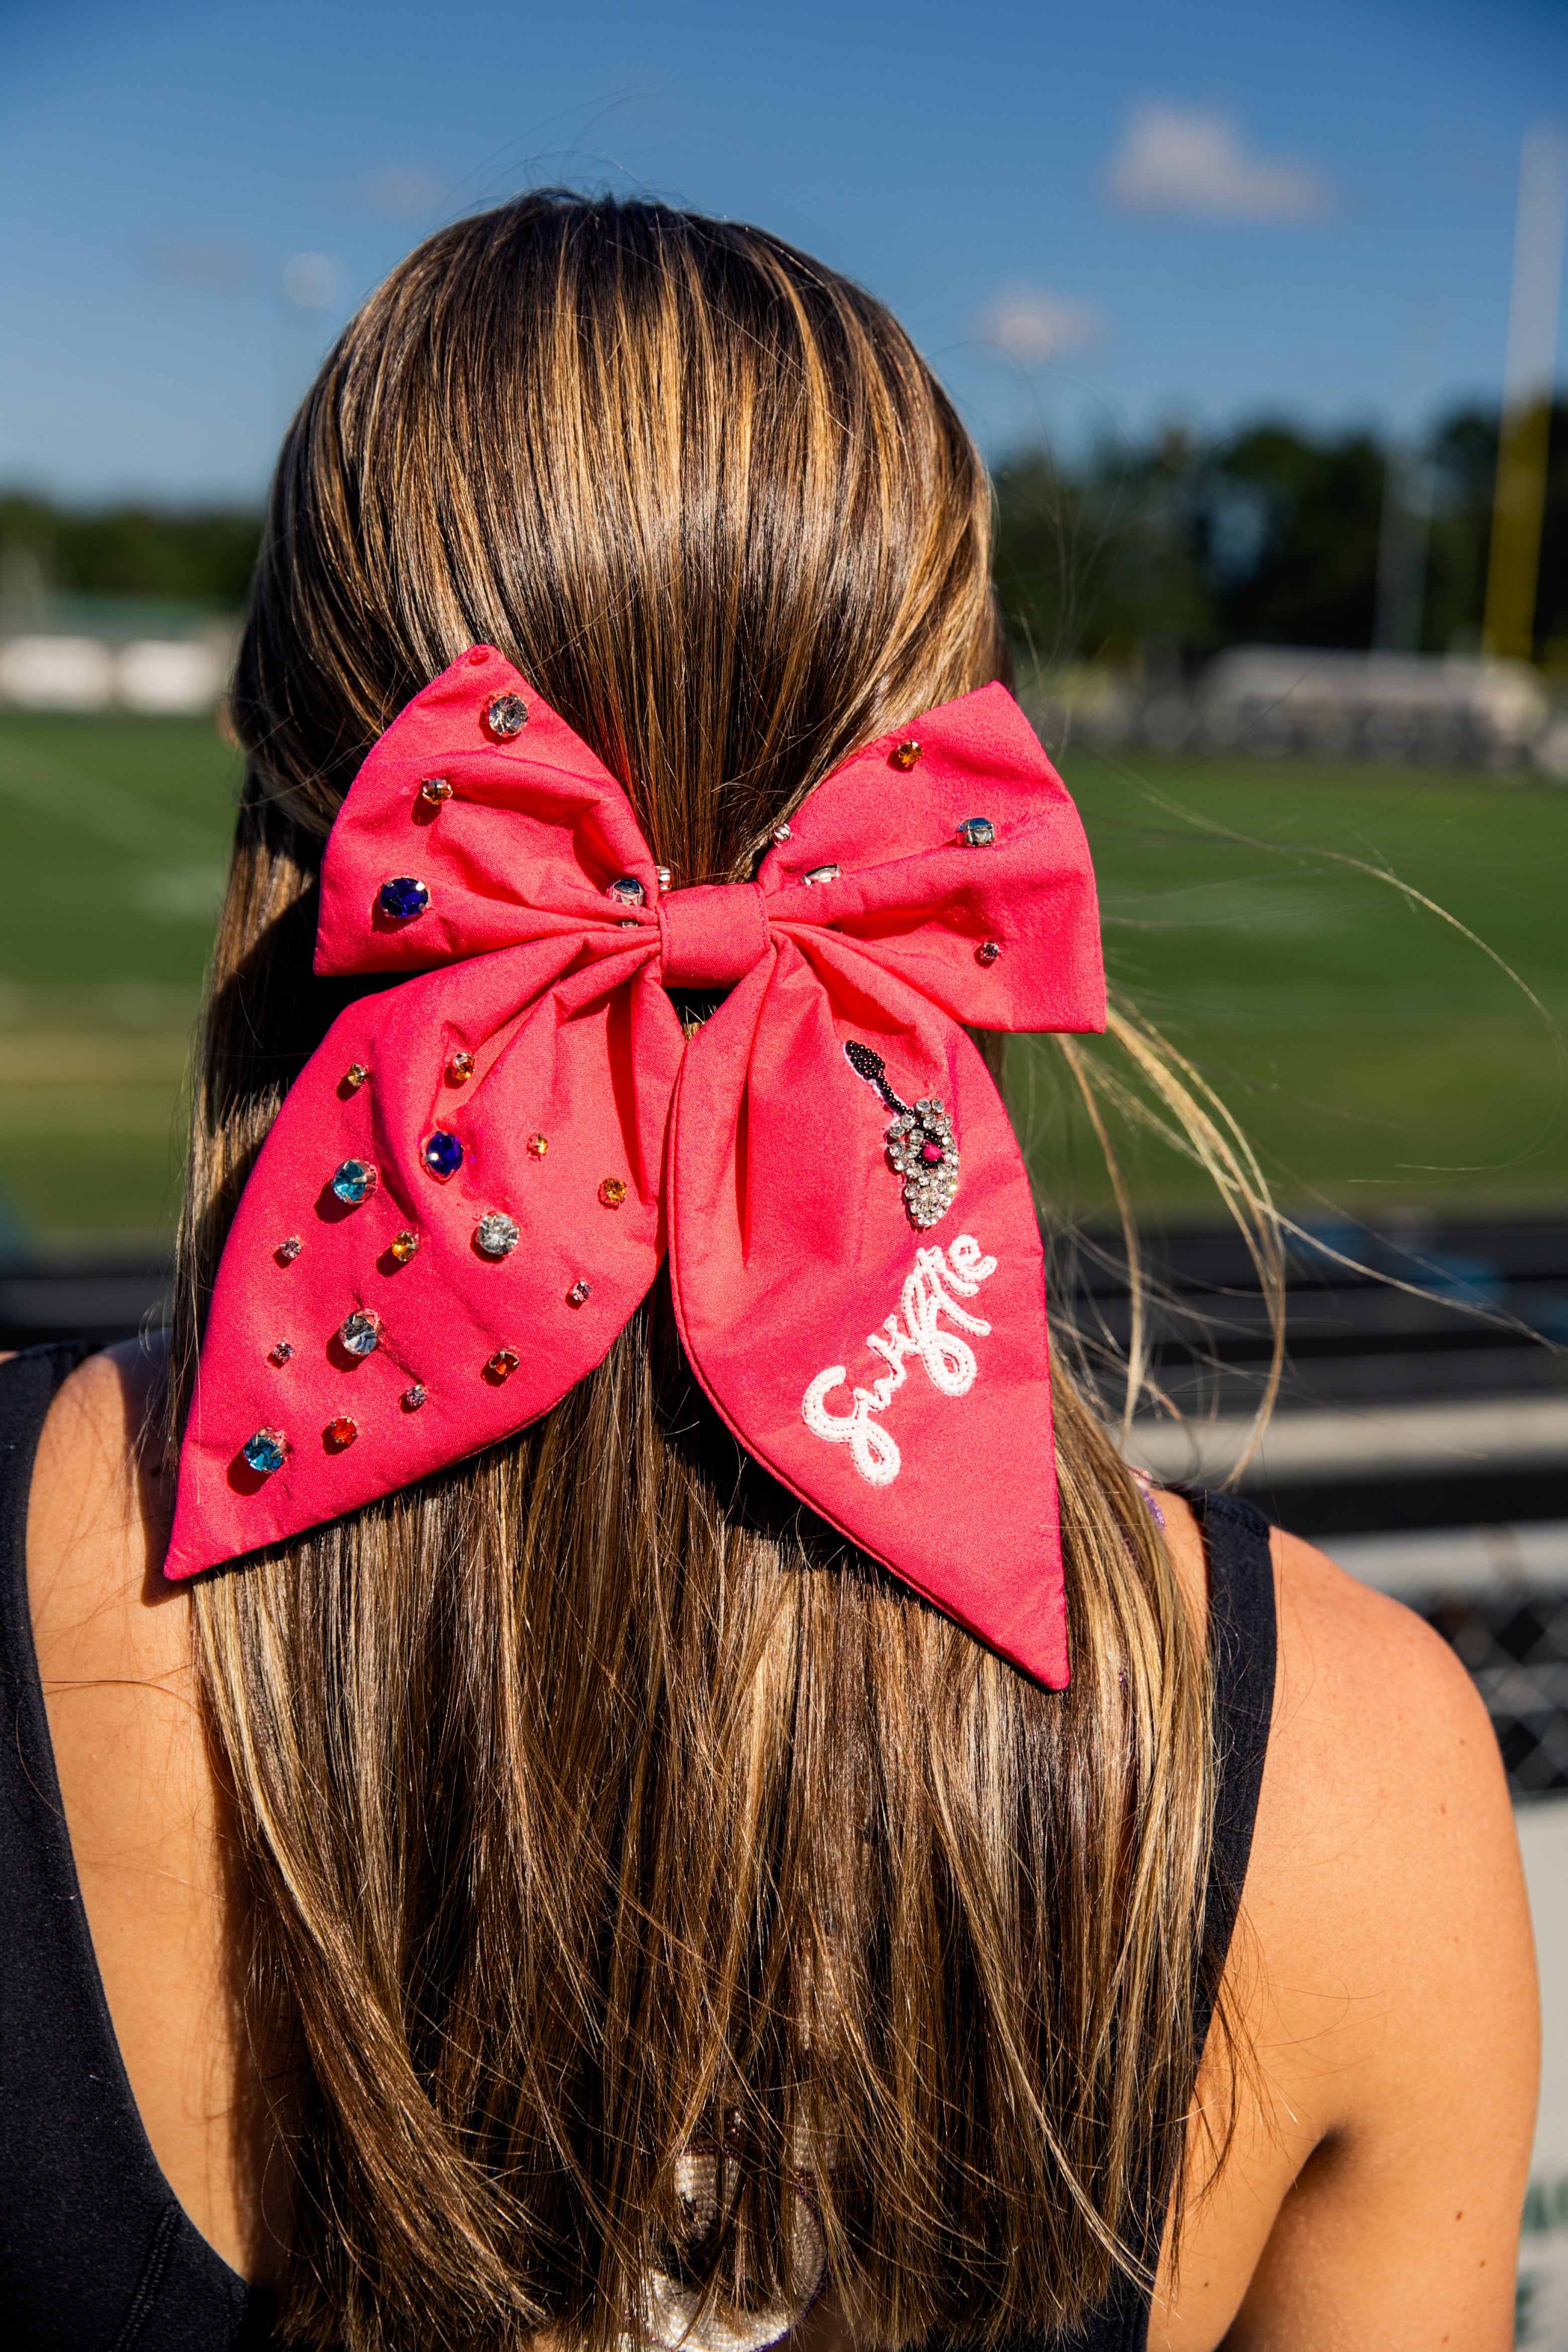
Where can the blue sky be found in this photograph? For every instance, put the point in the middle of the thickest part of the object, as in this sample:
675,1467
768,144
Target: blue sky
1090,217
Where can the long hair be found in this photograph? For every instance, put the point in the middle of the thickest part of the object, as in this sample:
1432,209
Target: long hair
594,1804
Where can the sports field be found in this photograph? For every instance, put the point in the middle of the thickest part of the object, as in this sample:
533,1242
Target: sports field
1377,1058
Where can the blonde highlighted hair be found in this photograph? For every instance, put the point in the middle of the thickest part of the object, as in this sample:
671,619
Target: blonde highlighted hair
594,1802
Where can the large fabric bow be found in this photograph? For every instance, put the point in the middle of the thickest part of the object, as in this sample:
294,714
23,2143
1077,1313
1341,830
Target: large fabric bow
470,1186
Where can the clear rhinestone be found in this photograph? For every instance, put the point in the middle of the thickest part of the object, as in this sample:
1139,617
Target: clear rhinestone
626,890
781,832
413,1398
288,1250
496,1234
280,1354
822,874
506,715
579,1291
665,877
361,1331
355,1075
977,833
987,952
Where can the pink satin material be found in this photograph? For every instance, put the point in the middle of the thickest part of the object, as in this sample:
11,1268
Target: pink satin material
754,1154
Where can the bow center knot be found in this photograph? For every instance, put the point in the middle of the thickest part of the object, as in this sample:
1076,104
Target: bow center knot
712,934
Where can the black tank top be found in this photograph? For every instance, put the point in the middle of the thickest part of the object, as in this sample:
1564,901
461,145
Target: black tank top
96,2254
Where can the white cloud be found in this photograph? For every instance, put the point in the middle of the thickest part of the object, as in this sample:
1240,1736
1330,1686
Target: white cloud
1180,159
1032,327
403,189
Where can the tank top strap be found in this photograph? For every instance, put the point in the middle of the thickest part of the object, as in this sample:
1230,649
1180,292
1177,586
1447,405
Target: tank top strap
1243,1645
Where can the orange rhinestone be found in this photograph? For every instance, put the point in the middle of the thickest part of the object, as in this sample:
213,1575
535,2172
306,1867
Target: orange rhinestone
403,1246
460,1068
612,1192
435,789
502,1364
341,1431
905,754
355,1075
539,1145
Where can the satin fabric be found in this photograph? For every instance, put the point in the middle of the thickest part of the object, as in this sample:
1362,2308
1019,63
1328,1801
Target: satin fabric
896,1379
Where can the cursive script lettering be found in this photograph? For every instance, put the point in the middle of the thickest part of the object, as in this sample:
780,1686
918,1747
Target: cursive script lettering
948,1361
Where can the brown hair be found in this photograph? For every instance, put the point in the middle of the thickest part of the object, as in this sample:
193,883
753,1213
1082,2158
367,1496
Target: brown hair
593,1802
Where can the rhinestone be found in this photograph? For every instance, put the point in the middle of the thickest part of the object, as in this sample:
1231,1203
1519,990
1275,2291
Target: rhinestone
987,953
904,755
931,1153
496,1234
629,923
361,1331
664,876
579,1291
460,1069
506,715
612,1192
340,1431
501,1365
267,1451
403,1246
443,1153
354,1181
287,1251
413,1398
781,832
626,890
823,874
280,1354
404,897
435,789
978,833
538,1145
355,1075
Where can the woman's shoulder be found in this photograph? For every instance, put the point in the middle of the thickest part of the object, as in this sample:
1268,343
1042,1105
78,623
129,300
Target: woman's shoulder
1381,1997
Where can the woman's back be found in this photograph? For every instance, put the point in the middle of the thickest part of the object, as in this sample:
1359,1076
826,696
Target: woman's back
1372,2191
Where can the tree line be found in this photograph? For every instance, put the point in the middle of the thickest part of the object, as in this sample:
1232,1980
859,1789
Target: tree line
1155,553
1269,535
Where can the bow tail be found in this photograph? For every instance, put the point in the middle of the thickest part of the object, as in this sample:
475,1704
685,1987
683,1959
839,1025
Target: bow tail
511,1115
896,1378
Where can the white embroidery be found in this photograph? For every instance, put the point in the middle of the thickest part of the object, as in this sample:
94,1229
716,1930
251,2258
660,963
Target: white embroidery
948,1361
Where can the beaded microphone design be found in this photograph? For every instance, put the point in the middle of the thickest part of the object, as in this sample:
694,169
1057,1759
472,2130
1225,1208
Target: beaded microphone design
921,1144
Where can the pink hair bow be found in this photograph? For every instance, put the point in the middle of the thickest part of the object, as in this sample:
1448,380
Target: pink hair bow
471,1184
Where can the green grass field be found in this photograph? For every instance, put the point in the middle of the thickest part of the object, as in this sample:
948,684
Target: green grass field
1377,1058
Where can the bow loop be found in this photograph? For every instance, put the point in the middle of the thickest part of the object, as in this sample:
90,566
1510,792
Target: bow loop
473,1181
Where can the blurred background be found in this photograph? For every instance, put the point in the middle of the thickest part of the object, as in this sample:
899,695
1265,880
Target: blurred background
1256,313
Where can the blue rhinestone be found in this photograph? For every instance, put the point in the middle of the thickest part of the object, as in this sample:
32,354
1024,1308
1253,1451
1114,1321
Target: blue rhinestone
403,897
267,1451
354,1181
443,1154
